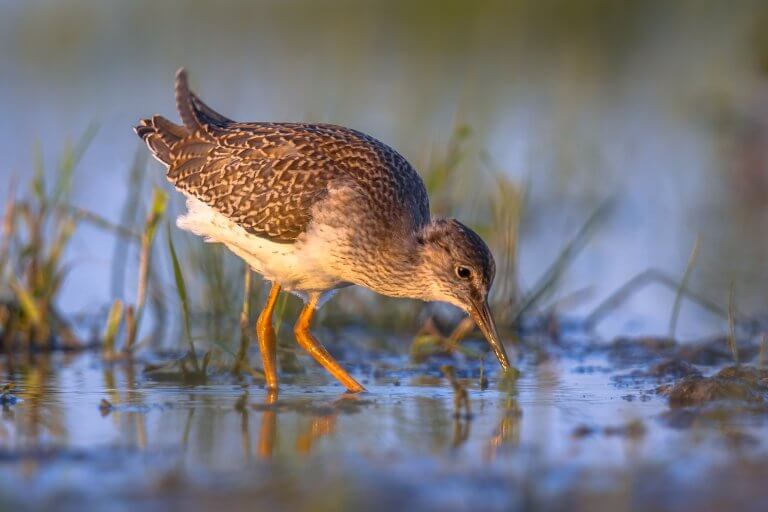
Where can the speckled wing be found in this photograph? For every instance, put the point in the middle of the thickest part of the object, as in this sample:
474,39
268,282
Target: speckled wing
267,177
268,185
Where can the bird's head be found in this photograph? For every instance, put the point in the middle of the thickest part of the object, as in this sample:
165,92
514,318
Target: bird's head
457,267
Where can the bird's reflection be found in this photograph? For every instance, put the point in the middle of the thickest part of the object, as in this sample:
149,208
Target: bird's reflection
268,428
507,434
462,414
318,428
322,424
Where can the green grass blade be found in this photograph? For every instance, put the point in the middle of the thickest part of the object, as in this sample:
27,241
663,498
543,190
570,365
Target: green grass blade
8,229
547,282
113,324
38,179
181,290
156,212
70,159
241,359
27,302
683,285
731,338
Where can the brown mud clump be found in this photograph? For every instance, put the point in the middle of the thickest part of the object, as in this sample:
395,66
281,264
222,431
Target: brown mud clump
733,383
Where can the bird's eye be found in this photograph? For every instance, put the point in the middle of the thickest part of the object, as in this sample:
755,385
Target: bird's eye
463,272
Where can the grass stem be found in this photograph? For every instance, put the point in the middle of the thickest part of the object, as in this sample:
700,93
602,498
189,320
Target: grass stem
241,360
181,290
683,285
732,327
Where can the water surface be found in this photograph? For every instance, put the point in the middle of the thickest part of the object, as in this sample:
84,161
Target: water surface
564,429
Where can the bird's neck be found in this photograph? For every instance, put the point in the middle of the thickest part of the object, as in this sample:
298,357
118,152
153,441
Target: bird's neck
398,271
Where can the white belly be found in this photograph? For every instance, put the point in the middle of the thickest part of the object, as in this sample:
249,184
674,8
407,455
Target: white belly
300,267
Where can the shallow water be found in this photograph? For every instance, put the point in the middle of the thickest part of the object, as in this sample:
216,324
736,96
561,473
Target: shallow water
565,435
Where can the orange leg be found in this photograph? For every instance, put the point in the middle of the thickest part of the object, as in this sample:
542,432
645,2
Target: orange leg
266,335
316,349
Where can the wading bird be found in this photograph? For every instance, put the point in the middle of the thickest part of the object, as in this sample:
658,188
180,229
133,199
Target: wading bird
314,208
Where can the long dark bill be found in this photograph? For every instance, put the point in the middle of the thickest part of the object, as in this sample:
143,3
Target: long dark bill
481,314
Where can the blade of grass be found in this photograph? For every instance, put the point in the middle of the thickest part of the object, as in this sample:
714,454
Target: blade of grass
508,206
53,271
442,170
38,178
181,290
79,214
129,219
220,276
113,325
732,327
206,361
683,285
6,327
566,256
645,278
241,360
130,324
27,302
71,157
8,228
156,212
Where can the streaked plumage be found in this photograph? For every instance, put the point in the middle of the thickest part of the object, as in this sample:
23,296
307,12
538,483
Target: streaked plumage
314,207
267,177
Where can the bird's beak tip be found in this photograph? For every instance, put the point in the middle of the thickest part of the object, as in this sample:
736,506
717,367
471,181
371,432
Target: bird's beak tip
481,313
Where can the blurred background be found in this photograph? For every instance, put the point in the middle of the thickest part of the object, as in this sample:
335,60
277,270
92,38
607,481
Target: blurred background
659,106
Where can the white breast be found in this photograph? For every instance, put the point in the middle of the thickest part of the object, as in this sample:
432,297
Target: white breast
303,266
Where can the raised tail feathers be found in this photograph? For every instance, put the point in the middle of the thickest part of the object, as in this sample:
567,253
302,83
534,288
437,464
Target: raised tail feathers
195,114
160,135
